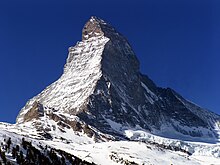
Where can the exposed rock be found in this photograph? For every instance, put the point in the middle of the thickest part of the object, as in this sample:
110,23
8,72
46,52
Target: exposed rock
35,112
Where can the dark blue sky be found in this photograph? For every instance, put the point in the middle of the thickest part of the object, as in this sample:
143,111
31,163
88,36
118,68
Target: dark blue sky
177,43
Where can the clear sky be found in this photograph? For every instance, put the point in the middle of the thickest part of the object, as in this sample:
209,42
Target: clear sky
176,41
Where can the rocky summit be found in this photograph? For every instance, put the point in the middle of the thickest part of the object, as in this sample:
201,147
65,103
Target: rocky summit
102,94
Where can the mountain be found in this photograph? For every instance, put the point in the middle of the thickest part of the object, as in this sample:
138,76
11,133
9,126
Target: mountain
102,88
102,102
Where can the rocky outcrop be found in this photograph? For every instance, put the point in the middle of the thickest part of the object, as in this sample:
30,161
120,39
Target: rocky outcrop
35,112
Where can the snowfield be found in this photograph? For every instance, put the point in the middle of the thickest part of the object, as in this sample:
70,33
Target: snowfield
148,150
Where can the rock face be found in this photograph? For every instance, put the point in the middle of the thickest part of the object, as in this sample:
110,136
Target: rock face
102,90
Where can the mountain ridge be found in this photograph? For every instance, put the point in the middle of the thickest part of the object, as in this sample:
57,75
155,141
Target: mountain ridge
102,83
103,105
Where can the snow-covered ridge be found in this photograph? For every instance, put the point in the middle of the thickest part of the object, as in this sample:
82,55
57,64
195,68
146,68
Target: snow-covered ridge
102,82
81,72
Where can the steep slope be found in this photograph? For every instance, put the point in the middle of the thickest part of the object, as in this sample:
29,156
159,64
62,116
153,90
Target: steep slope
103,94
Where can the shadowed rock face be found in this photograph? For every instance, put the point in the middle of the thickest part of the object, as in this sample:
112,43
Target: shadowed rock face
103,87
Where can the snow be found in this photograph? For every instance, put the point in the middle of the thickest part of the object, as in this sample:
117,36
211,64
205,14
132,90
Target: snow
197,149
153,96
81,72
137,152
141,150
114,125
113,153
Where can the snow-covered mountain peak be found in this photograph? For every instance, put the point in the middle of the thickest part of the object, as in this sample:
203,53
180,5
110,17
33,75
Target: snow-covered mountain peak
102,97
102,94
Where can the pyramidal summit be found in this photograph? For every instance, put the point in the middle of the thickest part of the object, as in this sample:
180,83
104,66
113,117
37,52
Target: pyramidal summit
103,110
